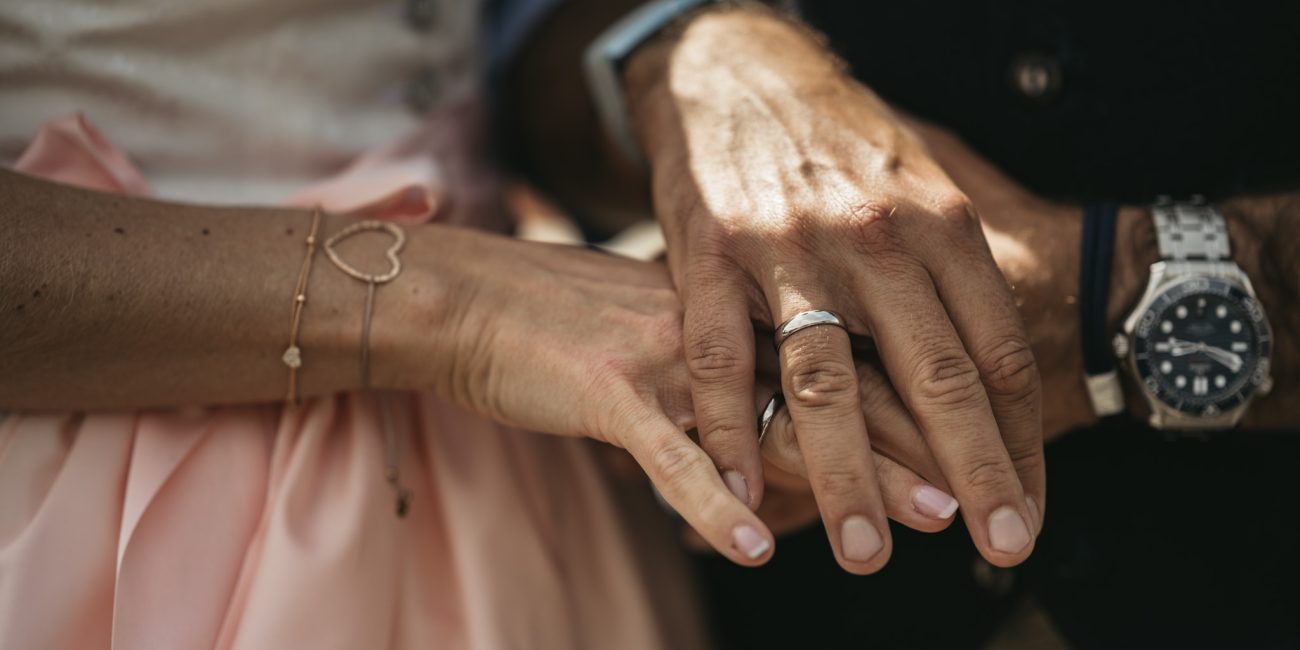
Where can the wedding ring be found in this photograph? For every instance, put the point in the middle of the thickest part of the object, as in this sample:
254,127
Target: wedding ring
769,412
804,320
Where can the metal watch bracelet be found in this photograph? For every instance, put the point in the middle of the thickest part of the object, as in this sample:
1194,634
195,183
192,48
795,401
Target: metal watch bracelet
1193,231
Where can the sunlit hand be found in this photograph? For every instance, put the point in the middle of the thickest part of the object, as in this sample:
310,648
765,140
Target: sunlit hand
784,186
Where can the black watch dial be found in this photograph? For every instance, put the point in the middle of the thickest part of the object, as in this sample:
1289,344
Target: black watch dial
1202,347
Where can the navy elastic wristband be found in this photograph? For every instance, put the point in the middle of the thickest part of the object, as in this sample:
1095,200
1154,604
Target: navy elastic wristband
1102,377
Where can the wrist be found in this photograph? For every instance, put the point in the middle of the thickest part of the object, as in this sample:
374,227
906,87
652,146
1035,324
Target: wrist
1251,230
709,57
1135,251
1251,238
1054,323
330,332
1055,326
415,339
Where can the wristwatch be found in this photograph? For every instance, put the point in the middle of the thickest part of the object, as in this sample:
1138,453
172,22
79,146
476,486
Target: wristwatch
1198,341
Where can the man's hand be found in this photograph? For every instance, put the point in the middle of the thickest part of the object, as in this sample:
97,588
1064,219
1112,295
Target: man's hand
1036,244
784,186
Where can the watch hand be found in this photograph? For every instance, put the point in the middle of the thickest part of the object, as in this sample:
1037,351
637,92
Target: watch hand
1229,359
1180,348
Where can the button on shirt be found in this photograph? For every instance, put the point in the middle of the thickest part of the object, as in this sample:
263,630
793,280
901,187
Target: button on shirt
1107,99
1036,76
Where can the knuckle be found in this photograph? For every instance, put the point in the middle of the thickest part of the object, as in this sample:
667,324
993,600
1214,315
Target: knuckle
874,227
675,462
678,203
954,208
605,374
723,437
947,377
881,465
1027,454
840,484
712,507
1010,369
623,411
712,355
985,474
716,251
664,331
711,260
822,383
868,213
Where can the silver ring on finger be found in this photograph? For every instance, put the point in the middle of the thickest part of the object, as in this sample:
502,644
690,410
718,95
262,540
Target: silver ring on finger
805,319
769,414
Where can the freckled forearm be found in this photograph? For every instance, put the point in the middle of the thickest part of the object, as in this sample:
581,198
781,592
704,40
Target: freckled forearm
115,302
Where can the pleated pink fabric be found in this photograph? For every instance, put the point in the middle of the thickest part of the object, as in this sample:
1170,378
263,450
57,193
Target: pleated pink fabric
261,527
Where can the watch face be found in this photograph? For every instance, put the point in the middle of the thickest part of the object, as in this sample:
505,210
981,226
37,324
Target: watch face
1202,347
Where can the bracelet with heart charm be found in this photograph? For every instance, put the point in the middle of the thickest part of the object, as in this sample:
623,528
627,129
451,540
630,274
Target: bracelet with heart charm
372,281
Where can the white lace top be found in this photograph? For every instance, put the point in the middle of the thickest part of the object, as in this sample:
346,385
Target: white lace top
233,100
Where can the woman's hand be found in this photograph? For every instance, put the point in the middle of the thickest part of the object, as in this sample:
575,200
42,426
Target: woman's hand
784,186
565,341
906,469
912,486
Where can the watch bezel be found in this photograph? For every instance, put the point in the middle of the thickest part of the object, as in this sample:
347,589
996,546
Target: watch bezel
1174,280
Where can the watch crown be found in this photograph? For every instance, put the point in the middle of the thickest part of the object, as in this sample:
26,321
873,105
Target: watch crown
1120,343
1265,386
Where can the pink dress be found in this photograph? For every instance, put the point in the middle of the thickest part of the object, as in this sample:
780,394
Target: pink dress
261,527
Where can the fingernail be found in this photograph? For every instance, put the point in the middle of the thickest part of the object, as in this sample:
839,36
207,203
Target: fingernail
749,541
859,539
933,502
736,483
1034,513
1007,530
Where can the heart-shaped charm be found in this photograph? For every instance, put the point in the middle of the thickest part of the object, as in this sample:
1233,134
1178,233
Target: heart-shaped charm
399,240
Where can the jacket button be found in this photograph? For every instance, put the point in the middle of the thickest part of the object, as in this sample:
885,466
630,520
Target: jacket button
1036,76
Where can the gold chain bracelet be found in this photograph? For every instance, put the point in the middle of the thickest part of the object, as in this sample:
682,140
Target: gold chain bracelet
292,356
